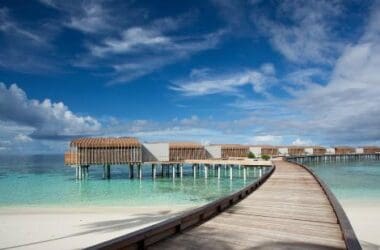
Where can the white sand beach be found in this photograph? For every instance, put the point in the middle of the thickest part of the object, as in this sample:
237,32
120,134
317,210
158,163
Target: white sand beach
365,219
74,228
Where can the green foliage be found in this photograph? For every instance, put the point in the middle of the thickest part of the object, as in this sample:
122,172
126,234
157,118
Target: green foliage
265,157
251,155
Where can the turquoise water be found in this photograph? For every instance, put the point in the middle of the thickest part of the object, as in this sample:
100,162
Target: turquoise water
43,180
351,180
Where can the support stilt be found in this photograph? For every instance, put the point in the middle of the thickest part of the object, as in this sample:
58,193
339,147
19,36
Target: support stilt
130,171
140,171
154,170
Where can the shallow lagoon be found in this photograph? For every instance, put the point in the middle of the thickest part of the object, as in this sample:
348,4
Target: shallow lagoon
351,180
43,180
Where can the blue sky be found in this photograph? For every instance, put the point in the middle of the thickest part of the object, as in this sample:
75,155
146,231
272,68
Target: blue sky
252,72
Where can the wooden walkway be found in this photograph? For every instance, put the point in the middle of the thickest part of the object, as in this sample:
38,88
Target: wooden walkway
289,211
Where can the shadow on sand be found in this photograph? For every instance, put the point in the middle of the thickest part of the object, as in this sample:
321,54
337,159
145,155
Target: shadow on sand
107,226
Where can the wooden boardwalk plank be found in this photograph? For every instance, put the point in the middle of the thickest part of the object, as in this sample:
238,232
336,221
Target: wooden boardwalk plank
289,210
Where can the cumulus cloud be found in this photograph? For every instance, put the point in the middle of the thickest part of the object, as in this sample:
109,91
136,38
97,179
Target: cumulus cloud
49,120
208,84
347,108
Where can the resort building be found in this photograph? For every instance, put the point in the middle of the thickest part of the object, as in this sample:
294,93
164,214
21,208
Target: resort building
94,151
234,150
225,151
315,150
296,150
269,150
179,151
340,150
283,151
359,150
371,149
153,152
260,150
330,151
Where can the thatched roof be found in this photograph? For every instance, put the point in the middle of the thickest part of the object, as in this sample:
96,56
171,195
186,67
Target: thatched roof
100,142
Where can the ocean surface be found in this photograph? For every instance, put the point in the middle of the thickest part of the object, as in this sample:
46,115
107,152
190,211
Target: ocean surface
43,181
351,180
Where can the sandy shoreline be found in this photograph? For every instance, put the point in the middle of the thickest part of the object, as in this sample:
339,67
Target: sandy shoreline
79,227
365,219
74,228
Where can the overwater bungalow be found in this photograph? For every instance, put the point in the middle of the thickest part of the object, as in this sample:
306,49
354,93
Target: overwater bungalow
315,150
269,150
179,151
100,151
259,150
296,150
371,149
234,150
225,151
344,150
283,151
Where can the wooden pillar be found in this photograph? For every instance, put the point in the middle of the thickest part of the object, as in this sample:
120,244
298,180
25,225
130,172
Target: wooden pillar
218,171
230,172
173,171
181,170
140,171
195,171
108,172
245,172
206,171
154,170
130,171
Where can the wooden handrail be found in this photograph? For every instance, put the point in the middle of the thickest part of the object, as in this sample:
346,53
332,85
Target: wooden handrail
142,238
349,236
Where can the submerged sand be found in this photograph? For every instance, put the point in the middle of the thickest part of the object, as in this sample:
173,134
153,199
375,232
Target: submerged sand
74,228
365,219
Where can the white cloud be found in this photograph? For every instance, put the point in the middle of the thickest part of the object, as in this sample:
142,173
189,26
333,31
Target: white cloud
303,31
22,45
132,40
23,138
207,84
347,108
49,120
8,25
267,139
300,142
147,48
92,18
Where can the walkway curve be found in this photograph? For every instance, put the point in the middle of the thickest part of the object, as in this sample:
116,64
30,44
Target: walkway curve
291,210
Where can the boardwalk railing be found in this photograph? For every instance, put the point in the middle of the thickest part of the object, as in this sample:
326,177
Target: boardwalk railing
150,235
349,236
